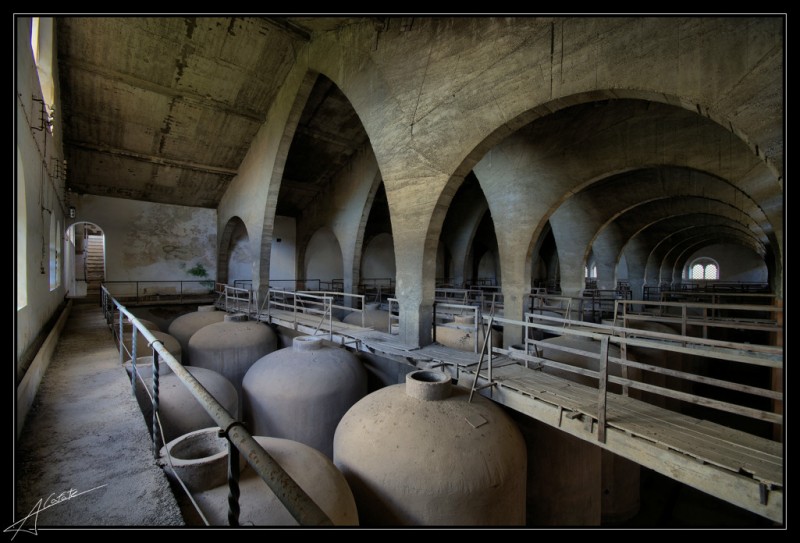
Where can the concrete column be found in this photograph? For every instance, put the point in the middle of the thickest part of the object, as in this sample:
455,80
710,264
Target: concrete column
415,245
414,291
636,257
514,298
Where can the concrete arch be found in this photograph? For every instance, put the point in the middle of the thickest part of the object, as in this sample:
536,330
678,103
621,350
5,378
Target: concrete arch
224,250
411,110
344,208
645,250
253,193
76,284
674,261
687,240
358,247
610,240
530,174
584,215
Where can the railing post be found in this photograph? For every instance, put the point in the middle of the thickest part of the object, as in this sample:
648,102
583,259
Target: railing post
294,310
134,340
476,327
156,447
623,353
601,404
121,343
491,352
434,319
330,318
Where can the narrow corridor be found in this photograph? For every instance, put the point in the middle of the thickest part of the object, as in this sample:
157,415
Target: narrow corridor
102,467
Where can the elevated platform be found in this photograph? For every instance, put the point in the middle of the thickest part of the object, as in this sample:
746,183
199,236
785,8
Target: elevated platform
739,468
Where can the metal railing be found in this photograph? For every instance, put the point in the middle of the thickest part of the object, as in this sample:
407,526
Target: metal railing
295,284
377,288
160,291
743,353
235,300
443,312
304,510
316,306
568,307
703,315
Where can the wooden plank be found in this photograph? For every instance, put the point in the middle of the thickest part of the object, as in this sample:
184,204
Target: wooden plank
538,384
706,430
629,411
757,414
680,437
578,398
729,486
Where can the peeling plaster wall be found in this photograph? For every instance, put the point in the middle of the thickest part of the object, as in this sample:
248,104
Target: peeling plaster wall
151,242
736,263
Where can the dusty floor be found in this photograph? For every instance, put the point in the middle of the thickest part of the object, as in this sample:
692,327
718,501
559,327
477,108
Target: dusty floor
103,465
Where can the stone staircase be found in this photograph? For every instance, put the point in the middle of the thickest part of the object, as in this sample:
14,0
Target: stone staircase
95,266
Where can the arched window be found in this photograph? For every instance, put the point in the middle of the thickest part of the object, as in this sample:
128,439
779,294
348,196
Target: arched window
703,268
711,272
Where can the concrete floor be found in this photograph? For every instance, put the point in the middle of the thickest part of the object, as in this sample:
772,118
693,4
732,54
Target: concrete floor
85,435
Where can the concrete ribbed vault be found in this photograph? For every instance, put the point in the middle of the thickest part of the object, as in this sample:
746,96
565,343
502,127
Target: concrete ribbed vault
612,237
646,249
430,122
579,221
532,173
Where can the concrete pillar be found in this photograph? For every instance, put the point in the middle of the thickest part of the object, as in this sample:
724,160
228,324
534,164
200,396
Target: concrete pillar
416,321
636,257
514,307
415,258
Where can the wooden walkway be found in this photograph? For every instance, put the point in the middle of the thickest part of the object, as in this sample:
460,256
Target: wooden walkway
737,467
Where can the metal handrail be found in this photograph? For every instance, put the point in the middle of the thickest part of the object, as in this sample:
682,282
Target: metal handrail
757,355
459,310
299,504
140,288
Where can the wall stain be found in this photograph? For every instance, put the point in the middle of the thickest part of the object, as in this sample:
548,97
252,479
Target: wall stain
180,238
191,24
